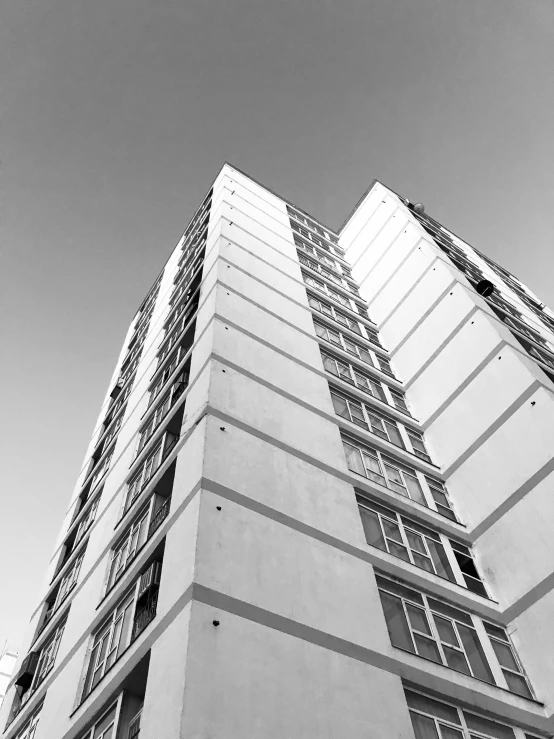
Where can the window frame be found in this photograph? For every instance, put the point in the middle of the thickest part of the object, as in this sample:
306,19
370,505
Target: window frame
431,617
384,462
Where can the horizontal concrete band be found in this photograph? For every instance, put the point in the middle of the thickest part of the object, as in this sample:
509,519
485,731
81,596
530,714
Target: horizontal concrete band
464,384
383,255
423,317
500,421
376,236
391,276
428,268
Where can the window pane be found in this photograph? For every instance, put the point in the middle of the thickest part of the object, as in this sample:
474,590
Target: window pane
427,648
447,732
475,654
456,660
416,493
392,530
446,631
440,560
394,434
488,727
433,707
365,356
353,459
504,655
415,541
424,728
396,622
373,467
330,365
424,562
418,619
372,529
517,684
340,406
398,550
104,723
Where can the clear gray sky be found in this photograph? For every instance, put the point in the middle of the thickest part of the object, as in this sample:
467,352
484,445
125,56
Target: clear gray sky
117,114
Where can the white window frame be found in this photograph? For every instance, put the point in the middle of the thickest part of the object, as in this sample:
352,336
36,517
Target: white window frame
101,659
28,731
148,468
431,616
130,544
373,420
461,726
47,657
405,530
385,464
69,580
114,724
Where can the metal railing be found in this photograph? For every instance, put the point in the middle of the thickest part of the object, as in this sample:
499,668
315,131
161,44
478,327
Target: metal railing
145,615
159,517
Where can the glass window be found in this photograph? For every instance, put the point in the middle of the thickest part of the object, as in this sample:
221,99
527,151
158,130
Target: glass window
418,445
109,642
508,660
405,539
47,656
440,496
433,718
438,632
124,552
466,563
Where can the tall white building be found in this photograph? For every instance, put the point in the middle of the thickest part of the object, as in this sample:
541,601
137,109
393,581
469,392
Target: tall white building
318,498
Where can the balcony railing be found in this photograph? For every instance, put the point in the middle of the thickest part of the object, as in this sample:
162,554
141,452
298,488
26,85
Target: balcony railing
159,517
134,726
145,615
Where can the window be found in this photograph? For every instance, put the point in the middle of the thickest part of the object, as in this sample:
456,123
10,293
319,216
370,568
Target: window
102,469
358,351
405,539
124,624
110,642
105,726
28,731
417,444
328,334
433,719
330,311
383,470
354,377
124,552
384,365
178,386
466,563
368,418
440,496
149,467
324,288
47,656
69,580
509,662
399,401
87,520
437,631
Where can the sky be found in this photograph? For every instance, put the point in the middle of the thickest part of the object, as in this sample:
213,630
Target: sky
115,117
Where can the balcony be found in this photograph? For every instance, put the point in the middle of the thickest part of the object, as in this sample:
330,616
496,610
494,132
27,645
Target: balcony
145,614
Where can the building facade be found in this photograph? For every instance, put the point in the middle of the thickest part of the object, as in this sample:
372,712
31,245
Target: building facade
317,500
